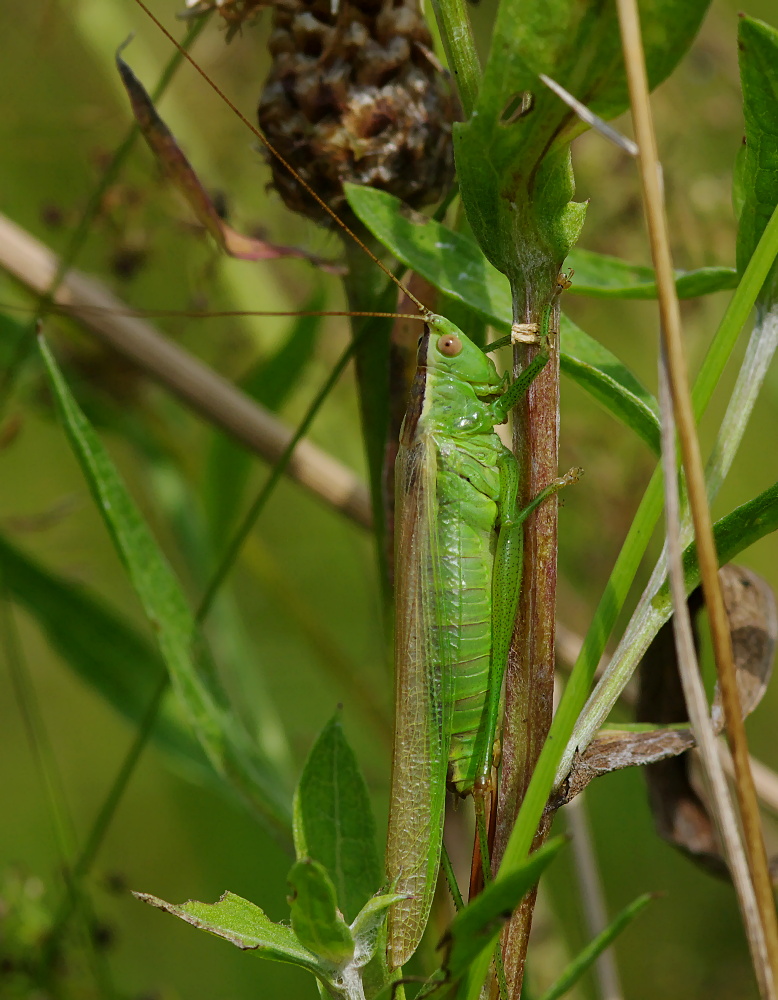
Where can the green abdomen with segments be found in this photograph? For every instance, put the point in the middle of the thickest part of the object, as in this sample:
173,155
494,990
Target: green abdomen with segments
466,536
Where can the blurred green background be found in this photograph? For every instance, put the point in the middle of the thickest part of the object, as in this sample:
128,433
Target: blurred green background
307,587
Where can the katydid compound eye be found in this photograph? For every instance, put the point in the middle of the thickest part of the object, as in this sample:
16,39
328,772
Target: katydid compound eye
450,345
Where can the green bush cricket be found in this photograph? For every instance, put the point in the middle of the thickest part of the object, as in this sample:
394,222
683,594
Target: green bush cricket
458,544
458,572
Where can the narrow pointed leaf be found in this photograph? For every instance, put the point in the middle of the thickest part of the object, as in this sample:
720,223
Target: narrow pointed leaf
604,277
736,531
316,920
333,820
221,736
478,926
243,924
586,958
101,648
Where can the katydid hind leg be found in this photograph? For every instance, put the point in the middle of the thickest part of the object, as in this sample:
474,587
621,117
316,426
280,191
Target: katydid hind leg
506,585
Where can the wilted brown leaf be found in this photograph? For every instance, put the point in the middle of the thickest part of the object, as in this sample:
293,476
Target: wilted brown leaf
180,171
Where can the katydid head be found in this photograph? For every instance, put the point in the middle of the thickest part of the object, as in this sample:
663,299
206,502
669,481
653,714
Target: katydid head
445,348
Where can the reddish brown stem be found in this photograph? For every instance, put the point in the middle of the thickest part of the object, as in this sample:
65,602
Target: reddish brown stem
530,674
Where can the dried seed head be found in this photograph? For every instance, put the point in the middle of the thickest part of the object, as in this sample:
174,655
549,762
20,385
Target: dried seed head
357,95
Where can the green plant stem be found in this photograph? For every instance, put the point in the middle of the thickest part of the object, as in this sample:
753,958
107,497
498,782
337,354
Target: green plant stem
35,728
46,764
459,44
621,578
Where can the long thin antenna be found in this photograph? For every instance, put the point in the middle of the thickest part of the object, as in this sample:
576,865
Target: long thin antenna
287,166
66,310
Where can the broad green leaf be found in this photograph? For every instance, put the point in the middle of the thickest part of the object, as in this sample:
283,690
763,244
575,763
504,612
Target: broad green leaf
589,955
478,925
220,734
270,383
757,174
316,920
243,924
514,171
456,266
333,821
101,648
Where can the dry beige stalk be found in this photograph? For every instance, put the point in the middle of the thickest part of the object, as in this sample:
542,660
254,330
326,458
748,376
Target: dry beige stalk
194,383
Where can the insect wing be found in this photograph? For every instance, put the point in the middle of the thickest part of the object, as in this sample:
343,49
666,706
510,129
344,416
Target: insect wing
422,704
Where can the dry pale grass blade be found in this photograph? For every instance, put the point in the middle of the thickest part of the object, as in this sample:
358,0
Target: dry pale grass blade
598,124
762,927
191,381
697,707
765,779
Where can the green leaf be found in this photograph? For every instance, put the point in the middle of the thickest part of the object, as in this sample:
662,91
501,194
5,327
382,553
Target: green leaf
601,276
454,263
333,821
757,174
270,383
589,955
456,266
478,925
597,371
243,924
514,171
316,920
101,648
220,733
736,531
